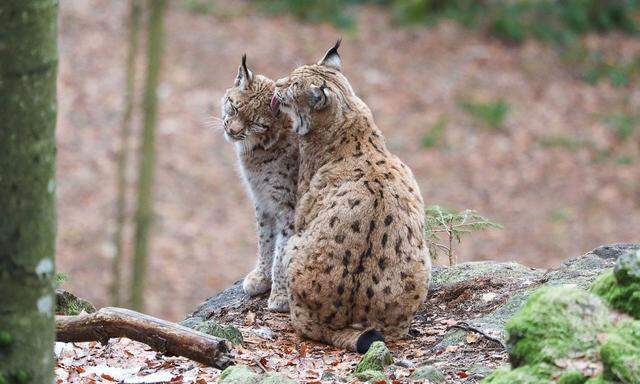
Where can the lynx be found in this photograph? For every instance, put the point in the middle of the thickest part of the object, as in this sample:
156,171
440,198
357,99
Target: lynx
358,265
267,153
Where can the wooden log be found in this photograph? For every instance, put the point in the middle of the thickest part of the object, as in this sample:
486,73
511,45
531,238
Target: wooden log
163,336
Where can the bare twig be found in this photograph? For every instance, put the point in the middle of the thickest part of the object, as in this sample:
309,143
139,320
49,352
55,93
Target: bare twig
466,327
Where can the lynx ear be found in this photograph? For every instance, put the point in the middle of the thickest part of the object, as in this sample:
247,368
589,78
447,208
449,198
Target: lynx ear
331,59
244,76
319,96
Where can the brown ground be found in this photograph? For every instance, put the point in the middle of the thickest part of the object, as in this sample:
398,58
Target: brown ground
553,202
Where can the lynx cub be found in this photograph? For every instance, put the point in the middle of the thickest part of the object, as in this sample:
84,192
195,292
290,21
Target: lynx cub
358,265
268,155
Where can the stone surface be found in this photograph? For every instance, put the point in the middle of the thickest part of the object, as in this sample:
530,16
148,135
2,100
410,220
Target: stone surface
569,335
621,287
428,372
556,321
371,376
462,323
376,359
228,332
242,374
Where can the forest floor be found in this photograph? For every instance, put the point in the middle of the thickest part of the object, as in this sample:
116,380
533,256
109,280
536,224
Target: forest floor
554,174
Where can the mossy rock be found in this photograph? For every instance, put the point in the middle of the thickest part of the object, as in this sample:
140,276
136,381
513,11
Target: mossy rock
239,374
371,376
69,304
428,372
528,374
242,374
376,359
479,269
620,353
210,327
572,377
275,378
620,287
555,322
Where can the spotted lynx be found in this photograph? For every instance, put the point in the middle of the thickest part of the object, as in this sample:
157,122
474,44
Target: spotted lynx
267,152
358,265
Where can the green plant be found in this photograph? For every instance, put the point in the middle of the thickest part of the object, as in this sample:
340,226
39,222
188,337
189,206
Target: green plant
199,6
433,137
447,226
569,143
491,113
622,124
334,11
560,215
59,278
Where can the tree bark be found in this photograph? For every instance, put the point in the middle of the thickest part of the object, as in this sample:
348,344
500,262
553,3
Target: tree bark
155,42
161,335
28,67
123,155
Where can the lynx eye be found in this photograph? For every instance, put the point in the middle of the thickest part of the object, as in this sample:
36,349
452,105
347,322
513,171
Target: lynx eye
230,109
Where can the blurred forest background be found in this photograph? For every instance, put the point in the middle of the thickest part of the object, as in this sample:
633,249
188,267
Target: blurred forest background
525,111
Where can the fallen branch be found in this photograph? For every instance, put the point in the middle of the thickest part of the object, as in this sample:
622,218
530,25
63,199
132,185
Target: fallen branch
466,327
163,336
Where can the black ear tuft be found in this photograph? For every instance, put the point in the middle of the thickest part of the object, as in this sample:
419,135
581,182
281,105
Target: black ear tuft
244,61
332,58
245,76
366,339
334,49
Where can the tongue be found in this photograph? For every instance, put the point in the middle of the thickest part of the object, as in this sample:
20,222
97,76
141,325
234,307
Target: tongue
275,105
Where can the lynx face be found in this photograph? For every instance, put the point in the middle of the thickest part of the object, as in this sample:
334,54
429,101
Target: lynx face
246,117
313,95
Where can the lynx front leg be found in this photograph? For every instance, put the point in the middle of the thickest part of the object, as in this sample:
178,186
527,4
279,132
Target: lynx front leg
279,298
259,280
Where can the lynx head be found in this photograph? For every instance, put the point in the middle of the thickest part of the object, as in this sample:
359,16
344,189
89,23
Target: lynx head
246,117
314,95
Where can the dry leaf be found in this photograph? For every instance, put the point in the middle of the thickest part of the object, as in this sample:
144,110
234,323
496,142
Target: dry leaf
472,337
451,348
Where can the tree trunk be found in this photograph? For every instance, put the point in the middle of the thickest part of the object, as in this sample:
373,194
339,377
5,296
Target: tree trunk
144,212
28,66
123,156
163,336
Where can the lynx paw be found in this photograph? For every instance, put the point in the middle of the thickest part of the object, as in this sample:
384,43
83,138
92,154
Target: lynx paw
256,283
278,302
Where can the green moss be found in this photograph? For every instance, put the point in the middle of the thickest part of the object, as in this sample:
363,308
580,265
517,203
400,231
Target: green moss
598,380
371,376
71,305
620,353
554,322
621,287
376,358
428,372
572,377
238,374
228,332
535,374
5,338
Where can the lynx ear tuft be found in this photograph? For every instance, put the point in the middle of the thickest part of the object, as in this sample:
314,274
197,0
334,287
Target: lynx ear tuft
245,76
331,59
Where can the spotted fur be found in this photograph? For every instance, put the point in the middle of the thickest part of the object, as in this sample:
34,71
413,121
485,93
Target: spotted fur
267,153
359,260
